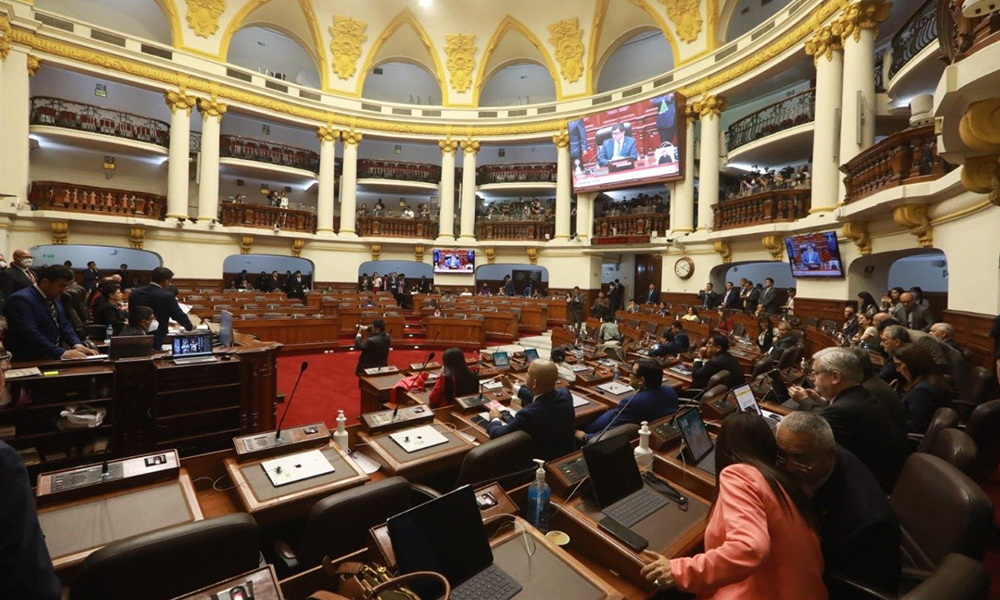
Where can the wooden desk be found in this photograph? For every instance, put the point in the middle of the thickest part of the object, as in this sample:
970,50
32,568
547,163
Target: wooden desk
293,332
454,331
264,582
394,324
375,390
397,461
500,325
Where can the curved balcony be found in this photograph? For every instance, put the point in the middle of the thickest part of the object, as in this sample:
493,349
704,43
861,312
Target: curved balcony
629,229
516,173
397,227
958,36
399,171
55,112
916,34
251,149
765,208
538,230
909,156
792,111
54,195
266,217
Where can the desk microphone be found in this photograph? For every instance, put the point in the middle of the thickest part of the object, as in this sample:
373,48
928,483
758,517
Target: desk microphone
277,433
430,355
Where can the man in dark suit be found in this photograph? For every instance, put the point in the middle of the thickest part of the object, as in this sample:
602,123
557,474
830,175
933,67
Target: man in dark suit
164,304
38,327
91,277
910,314
859,530
548,419
374,350
18,275
652,296
128,281
731,299
616,296
575,304
296,287
653,401
714,357
508,286
769,297
666,118
265,282
577,140
751,297
528,289
709,298
850,326
140,321
619,146
677,342
784,342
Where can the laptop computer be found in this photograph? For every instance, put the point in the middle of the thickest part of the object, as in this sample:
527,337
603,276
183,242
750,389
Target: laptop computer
447,536
699,449
131,346
617,483
501,361
226,328
193,349
530,354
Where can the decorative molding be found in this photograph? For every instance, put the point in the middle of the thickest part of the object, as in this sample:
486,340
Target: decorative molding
866,14
470,145
180,101
461,51
327,134
711,106
980,126
561,139
137,237
686,17
491,255
567,38
347,36
60,232
376,251
914,218
532,255
34,63
351,138
297,246
857,231
203,16
724,250
418,253
824,42
211,108
448,146
774,244
981,174
246,244
5,35
691,112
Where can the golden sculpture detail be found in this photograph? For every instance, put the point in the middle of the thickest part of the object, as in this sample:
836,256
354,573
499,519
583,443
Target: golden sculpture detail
914,218
352,138
561,139
491,255
376,250
34,63
857,231
980,126
5,33
461,50
981,174
711,106
348,34
533,255
211,108
470,146
180,101
567,38
418,252
203,15
137,237
775,245
60,232
246,244
297,246
448,146
866,14
686,18
824,42
327,134
692,112
724,250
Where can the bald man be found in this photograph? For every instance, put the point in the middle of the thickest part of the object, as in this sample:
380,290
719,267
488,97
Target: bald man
19,275
910,314
548,418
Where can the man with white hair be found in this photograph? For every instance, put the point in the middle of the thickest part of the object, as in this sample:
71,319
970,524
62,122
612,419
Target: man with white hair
859,530
945,334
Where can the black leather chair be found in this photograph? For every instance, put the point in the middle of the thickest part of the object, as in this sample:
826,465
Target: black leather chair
765,364
629,429
791,357
506,459
956,448
958,578
984,429
973,390
944,418
171,562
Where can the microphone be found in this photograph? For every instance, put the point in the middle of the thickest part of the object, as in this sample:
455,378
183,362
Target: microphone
277,432
430,355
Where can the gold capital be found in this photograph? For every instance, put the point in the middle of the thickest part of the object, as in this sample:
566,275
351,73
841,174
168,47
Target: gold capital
561,139
775,244
692,112
724,250
211,108
914,218
711,106
470,146
448,146
327,134
34,63
857,231
351,138
180,101
866,14
824,42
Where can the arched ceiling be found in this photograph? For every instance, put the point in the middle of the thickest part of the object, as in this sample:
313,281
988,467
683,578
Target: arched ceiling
513,43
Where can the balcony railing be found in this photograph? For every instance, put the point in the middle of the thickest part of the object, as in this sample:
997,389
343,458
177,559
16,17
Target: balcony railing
775,206
400,171
958,36
266,217
399,227
54,195
95,119
537,230
630,226
880,71
516,173
909,156
916,34
798,109
234,146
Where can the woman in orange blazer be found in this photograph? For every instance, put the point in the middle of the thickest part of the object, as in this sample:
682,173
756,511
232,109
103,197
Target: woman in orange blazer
759,543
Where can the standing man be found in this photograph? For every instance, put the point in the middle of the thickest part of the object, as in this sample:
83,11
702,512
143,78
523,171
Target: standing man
164,304
508,286
374,350
616,295
731,299
577,141
751,297
19,275
127,282
910,314
575,305
91,277
652,296
296,288
769,297
601,307
709,298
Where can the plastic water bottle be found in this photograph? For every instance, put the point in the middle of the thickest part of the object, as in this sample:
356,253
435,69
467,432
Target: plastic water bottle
110,332
340,435
643,455
539,494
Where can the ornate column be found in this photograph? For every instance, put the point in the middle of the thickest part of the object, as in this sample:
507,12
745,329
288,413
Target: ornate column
177,169
327,178
564,185
468,225
15,69
349,184
584,216
446,217
827,52
857,27
710,108
682,203
208,176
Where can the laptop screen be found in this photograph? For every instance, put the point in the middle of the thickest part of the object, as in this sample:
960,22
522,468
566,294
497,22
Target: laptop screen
746,399
695,435
530,354
612,468
501,360
445,535
193,345
226,328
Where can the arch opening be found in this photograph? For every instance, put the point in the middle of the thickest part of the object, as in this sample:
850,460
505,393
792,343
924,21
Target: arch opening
153,20
518,82
274,52
402,81
637,55
492,277
255,264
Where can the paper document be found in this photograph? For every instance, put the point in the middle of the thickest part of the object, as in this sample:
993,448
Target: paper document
418,438
367,465
94,357
17,373
578,368
615,387
492,385
296,467
578,401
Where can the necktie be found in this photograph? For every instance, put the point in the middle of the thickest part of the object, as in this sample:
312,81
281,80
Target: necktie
31,275
618,149
53,312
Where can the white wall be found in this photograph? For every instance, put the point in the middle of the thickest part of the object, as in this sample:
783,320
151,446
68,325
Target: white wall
527,83
141,18
410,268
255,263
108,258
377,149
52,162
756,272
929,272
756,12
258,48
238,124
737,112
515,153
642,57
497,272
402,82
69,85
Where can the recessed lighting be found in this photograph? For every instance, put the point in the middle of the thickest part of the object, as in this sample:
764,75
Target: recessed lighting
425,3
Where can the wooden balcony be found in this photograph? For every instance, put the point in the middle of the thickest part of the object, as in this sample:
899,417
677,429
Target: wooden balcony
234,146
539,230
958,36
95,119
398,170
54,195
516,173
775,206
266,217
909,156
397,227
787,113
629,229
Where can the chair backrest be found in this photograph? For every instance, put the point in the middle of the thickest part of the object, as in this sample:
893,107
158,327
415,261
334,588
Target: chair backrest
629,429
944,418
715,391
791,357
765,364
170,562
339,524
977,386
958,578
940,511
497,459
714,380
957,448
984,429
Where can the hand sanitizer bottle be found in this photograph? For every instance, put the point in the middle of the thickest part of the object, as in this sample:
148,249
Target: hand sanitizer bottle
643,455
539,493
340,435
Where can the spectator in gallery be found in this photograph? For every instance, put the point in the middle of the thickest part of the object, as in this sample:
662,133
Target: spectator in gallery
619,146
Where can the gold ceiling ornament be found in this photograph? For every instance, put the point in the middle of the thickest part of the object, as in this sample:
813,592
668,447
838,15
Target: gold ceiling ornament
297,246
561,139
327,133
857,232
774,244
693,112
418,252
246,244
352,138
203,16
34,63
60,232
980,126
567,38
711,105
824,42
914,218
137,237
866,14
211,108
461,51
724,250
348,34
981,174
376,250
448,146
533,255
491,255
5,33
180,101
686,18
470,145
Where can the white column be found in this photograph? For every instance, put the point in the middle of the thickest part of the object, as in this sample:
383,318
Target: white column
564,185
682,203
446,216
827,186
208,188
584,216
327,178
14,116
468,224
857,128
710,108
349,184
178,168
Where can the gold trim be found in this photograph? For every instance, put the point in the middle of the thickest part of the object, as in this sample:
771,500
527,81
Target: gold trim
774,244
914,218
958,214
34,63
857,231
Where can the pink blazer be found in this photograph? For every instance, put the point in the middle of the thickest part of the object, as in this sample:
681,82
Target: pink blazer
754,548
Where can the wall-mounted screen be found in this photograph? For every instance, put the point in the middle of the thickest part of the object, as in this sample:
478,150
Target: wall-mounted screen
630,145
462,262
814,255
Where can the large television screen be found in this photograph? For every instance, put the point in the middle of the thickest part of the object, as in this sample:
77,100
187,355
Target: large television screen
630,145
814,255
462,262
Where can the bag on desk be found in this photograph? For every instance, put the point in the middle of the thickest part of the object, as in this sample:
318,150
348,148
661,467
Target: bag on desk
404,385
357,581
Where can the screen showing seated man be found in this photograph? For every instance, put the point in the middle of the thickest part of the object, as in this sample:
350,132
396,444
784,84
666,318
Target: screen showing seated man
454,261
814,255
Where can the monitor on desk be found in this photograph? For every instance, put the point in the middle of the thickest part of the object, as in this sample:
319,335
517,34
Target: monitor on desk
695,435
501,360
612,468
193,345
530,354
746,400
226,328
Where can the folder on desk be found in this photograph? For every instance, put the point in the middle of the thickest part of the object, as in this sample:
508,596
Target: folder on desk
296,467
615,387
418,438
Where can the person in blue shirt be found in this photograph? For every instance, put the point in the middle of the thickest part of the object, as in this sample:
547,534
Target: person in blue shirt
653,401
676,343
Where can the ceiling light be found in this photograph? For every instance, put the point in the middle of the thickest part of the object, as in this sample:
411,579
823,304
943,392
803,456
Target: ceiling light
425,3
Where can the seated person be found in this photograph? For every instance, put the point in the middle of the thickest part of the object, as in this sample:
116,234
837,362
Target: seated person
632,307
456,379
725,323
107,311
558,357
619,146
784,342
691,314
926,391
653,401
713,358
676,341
548,419
37,325
141,321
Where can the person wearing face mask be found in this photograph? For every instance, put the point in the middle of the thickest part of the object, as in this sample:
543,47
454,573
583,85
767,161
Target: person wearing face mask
141,321
3,262
19,275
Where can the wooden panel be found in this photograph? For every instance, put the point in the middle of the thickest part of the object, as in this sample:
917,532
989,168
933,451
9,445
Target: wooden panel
972,330
455,331
500,324
647,271
292,331
831,310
